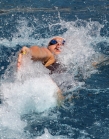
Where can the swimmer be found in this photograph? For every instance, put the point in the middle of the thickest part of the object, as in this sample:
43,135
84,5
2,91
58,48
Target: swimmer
45,55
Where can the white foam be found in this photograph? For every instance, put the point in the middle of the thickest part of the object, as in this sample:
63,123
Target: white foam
78,53
31,87
29,92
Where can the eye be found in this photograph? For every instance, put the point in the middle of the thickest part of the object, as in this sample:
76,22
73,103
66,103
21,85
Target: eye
52,42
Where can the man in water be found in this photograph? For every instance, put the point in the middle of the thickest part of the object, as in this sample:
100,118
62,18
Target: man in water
45,55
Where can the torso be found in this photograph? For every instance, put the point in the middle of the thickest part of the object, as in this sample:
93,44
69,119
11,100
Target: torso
56,68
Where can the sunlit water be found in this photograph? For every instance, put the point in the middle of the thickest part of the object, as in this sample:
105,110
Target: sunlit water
29,107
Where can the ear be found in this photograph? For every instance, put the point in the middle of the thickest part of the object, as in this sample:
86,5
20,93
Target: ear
48,48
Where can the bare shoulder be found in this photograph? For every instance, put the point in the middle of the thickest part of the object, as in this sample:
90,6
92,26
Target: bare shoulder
35,48
46,49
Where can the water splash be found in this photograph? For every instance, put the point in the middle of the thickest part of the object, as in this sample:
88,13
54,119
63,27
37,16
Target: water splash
28,92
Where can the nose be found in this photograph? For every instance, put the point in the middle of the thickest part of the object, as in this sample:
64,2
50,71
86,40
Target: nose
59,46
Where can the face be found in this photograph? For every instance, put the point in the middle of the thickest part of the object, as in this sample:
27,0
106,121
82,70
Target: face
56,44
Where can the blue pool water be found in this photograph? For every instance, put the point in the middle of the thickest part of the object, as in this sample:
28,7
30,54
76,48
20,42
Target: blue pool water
27,108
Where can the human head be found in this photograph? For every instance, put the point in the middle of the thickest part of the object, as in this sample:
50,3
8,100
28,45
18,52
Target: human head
55,44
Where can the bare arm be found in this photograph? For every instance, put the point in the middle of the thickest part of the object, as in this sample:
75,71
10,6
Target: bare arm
19,60
50,61
60,97
42,54
37,53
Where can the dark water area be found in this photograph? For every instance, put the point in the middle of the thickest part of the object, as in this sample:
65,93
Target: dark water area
84,113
